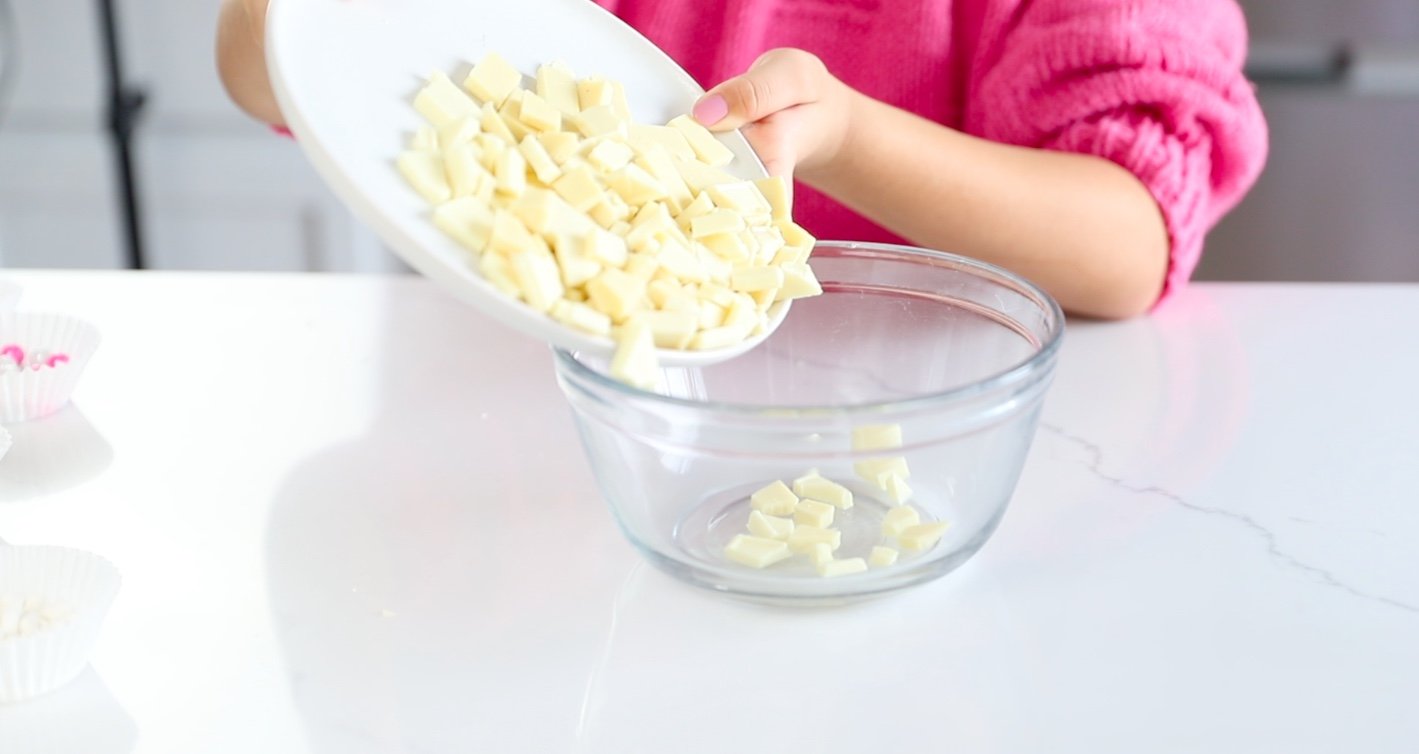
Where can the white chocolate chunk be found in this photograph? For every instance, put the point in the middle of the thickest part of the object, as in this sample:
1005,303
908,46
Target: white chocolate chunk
557,86
727,246
644,137
466,176
681,262
599,121
769,527
492,123
877,437
820,553
542,164
618,101
743,197
606,248
899,519
496,269
699,176
921,536
509,235
671,329
874,469
813,513
467,221
609,156
798,282
581,316
634,361
594,92
843,567
537,275
511,173
635,185
617,293
805,536
716,222
754,279
881,557
775,499
441,101
778,191
561,145
493,79
576,268
816,487
579,187
461,131
756,552
538,114
895,487
425,172
707,148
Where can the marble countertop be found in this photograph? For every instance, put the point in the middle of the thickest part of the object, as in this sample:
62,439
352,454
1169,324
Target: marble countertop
353,516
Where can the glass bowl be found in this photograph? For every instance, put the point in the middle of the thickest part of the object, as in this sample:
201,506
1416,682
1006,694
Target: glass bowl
918,363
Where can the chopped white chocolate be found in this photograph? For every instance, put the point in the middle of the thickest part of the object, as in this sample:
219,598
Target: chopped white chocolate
496,269
598,121
820,553
593,92
874,469
560,145
467,220
743,197
557,86
921,536
493,124
579,187
509,235
811,485
756,552
707,148
814,513
898,519
609,156
511,173
460,131
770,527
466,175
537,275
804,536
842,567
644,137
881,557
538,114
605,247
877,437
778,191
635,185
798,281
754,279
716,222
896,487
671,329
493,79
775,499
634,360
618,101
442,102
576,268
616,293
727,246
582,317
425,172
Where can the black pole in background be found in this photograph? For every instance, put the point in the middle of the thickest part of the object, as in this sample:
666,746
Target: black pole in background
124,104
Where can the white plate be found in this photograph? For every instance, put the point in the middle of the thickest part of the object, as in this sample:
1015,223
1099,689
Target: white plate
345,73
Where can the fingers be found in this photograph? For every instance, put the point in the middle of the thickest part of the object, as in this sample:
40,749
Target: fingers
778,80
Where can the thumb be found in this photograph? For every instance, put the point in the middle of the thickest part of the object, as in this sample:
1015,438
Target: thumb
778,80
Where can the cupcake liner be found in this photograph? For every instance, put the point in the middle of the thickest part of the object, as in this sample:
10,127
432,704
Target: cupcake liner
27,394
9,295
76,584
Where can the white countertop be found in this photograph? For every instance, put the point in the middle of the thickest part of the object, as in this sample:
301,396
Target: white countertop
352,516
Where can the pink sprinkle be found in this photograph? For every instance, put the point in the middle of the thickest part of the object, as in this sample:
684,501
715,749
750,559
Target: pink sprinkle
57,359
14,352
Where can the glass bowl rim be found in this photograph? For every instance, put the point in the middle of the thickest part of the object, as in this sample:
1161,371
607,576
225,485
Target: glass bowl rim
567,362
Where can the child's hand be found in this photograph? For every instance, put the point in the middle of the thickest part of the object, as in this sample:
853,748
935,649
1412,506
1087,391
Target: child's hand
794,112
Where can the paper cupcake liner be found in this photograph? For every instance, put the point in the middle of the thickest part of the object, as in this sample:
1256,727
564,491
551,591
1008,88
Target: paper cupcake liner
33,394
80,582
9,295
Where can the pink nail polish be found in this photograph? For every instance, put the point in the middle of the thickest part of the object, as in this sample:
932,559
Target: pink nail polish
710,110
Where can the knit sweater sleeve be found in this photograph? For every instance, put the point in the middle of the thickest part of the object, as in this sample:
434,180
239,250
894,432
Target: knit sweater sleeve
1153,85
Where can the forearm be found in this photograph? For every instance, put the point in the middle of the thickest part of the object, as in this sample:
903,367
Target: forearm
241,59
1084,228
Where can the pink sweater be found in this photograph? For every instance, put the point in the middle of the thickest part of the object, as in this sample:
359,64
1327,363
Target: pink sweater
1153,85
